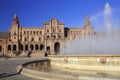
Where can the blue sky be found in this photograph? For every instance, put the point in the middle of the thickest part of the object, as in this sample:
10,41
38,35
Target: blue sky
32,13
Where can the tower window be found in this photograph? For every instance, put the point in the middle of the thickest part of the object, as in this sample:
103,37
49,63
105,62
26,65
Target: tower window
14,37
34,32
24,32
14,33
48,30
27,32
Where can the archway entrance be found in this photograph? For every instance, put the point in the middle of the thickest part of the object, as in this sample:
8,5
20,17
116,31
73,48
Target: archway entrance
36,47
48,49
14,47
31,47
21,47
26,47
41,47
9,47
57,47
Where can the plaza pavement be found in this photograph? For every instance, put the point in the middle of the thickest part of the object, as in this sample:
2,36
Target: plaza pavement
8,69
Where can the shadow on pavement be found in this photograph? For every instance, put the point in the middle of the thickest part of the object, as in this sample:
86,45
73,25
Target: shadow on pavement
8,74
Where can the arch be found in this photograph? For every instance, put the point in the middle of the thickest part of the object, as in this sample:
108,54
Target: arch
14,47
31,47
41,47
0,48
54,36
36,47
25,39
26,47
48,48
32,39
57,47
21,47
9,47
48,37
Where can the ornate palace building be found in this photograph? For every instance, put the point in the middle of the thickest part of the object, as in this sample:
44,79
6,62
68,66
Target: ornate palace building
51,38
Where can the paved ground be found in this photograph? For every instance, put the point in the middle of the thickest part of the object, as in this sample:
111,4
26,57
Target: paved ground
8,69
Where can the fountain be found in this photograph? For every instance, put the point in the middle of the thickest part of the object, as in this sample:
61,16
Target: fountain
94,58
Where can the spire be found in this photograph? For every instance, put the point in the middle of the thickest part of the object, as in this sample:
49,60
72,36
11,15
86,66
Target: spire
15,20
87,22
15,16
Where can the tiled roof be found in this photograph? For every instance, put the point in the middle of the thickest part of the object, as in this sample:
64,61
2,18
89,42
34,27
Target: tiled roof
4,35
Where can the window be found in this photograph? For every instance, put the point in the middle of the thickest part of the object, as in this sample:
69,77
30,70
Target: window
37,32
34,32
40,32
48,30
39,39
47,37
25,39
32,39
24,32
21,47
54,36
31,47
14,37
27,32
14,33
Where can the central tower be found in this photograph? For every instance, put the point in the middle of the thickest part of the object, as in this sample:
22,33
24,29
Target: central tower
54,36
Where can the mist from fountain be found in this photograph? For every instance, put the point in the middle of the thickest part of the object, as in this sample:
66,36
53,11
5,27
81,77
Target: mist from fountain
107,42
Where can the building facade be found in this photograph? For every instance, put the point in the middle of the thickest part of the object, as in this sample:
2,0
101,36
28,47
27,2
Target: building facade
51,38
